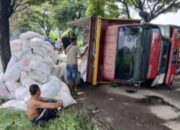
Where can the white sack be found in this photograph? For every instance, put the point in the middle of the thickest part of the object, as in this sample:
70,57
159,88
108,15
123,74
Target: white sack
19,47
29,35
21,92
51,88
12,62
82,67
62,74
1,77
40,51
62,58
12,74
35,63
64,93
55,70
12,86
27,82
63,87
27,79
4,94
15,104
58,90
66,98
39,48
39,42
23,76
38,78
16,47
48,46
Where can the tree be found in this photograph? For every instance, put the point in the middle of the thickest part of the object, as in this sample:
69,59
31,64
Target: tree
68,10
149,9
41,17
7,8
102,8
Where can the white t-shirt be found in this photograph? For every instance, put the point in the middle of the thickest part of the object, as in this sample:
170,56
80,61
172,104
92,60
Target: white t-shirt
72,51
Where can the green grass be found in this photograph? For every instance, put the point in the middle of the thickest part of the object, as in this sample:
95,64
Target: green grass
70,119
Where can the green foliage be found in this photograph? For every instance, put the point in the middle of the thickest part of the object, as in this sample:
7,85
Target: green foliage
80,41
41,18
60,12
69,119
112,10
96,7
67,11
32,15
102,8
53,35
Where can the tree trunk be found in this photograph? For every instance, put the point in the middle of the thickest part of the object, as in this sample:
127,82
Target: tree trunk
4,33
127,10
47,33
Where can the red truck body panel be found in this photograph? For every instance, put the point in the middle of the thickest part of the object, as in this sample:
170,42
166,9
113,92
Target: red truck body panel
154,54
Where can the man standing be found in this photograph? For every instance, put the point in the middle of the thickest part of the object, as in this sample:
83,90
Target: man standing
40,109
72,52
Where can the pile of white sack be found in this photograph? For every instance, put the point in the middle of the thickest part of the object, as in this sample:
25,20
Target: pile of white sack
34,61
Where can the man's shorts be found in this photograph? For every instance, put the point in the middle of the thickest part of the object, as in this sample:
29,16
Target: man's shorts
72,72
46,115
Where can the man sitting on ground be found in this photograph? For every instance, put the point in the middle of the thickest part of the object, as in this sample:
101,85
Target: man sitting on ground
40,109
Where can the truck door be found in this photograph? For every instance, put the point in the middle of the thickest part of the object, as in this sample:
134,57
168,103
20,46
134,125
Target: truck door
173,55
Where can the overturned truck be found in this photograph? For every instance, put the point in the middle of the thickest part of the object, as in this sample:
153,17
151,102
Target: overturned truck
128,52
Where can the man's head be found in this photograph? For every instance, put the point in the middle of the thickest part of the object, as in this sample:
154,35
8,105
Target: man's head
74,40
35,90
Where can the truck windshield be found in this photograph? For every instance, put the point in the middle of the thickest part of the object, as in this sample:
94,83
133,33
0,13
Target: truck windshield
129,53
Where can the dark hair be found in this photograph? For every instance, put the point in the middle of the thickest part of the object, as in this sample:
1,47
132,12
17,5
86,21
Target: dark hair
66,42
33,89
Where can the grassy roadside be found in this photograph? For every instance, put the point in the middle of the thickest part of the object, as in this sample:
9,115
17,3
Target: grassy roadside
70,119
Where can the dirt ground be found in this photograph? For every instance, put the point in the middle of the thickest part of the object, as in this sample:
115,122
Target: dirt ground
119,112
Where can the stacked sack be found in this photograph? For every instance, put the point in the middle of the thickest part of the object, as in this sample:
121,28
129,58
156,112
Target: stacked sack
33,61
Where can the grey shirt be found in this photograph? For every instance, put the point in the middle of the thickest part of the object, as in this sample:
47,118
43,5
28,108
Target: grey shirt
72,51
